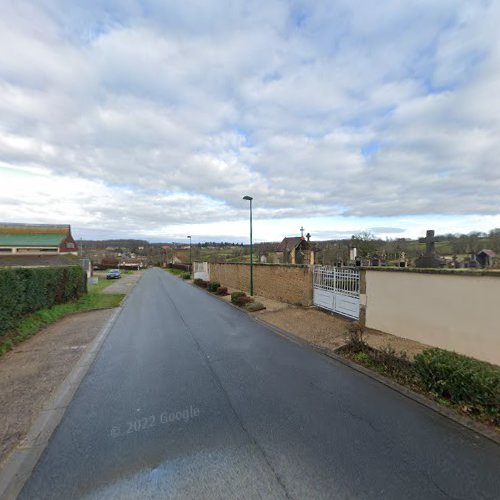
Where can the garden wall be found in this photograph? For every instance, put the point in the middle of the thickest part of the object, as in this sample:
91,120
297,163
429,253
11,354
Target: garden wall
286,283
454,311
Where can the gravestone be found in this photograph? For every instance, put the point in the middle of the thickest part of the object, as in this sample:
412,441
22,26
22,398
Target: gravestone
430,259
402,260
472,262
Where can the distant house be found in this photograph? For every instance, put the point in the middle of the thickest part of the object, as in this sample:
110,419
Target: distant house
486,258
36,239
296,250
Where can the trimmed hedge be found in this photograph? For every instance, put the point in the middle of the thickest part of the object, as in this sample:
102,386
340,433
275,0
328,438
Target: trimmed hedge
236,295
182,267
26,290
212,286
461,379
243,300
255,306
201,283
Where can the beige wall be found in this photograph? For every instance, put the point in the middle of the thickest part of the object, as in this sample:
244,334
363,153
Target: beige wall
458,313
292,284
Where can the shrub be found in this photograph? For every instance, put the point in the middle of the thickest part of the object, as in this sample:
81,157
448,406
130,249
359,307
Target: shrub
213,286
185,276
243,300
236,295
355,336
182,267
222,290
395,364
362,358
255,306
460,379
26,290
201,283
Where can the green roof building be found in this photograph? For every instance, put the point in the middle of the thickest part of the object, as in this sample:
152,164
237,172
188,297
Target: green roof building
36,239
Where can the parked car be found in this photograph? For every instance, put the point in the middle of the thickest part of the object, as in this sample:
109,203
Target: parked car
113,274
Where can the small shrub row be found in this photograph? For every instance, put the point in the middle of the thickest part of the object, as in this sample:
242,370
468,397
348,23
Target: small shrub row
185,276
222,290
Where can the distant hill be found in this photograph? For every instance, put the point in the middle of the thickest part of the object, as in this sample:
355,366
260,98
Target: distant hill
101,244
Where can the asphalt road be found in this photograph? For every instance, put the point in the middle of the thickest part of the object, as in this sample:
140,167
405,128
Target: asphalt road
191,398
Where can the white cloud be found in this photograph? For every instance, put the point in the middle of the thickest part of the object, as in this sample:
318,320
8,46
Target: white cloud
125,106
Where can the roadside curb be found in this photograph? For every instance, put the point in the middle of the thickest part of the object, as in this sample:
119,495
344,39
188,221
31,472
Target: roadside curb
17,469
476,427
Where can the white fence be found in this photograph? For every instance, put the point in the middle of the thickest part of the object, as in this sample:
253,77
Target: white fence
337,289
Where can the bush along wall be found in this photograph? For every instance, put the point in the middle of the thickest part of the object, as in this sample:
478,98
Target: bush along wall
26,290
462,380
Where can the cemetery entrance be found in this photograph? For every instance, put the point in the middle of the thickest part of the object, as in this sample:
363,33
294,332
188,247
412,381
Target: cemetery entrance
337,289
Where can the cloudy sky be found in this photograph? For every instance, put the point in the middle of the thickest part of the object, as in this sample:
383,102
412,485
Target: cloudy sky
153,118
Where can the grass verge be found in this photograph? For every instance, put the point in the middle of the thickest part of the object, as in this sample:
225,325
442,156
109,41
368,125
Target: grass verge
32,323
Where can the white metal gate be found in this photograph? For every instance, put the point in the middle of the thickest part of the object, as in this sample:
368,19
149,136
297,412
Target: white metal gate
337,289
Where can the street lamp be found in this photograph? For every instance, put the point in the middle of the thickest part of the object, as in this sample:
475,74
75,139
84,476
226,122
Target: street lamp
249,198
190,256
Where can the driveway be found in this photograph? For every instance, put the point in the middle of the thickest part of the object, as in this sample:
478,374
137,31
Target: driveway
124,284
191,398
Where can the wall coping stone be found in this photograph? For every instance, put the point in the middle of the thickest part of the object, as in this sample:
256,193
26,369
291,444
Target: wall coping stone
255,264
452,272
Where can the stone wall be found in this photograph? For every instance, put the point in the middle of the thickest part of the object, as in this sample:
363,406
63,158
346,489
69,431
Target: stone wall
286,283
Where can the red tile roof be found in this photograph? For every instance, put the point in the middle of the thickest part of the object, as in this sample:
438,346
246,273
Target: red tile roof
489,253
289,244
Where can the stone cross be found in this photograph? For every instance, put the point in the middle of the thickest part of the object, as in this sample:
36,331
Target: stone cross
429,241
430,259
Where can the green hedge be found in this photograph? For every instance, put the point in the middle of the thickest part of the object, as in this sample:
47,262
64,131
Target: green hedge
26,290
459,378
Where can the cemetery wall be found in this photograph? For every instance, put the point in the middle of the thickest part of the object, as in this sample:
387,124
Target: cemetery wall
286,283
448,310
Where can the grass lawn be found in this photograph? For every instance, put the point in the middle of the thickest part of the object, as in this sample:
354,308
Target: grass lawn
32,323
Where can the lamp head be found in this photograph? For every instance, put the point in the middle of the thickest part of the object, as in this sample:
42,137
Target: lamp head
249,198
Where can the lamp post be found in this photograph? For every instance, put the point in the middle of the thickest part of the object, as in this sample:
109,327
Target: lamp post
190,256
249,198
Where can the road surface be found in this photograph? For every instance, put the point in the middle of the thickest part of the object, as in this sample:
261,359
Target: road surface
191,398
